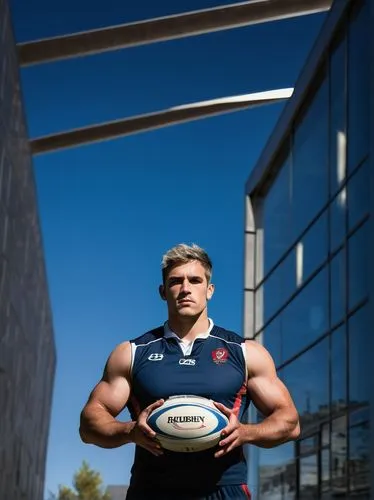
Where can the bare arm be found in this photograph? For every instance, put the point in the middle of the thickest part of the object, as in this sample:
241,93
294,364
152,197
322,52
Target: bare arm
271,398
98,424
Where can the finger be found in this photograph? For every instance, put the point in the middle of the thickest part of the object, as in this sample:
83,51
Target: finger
231,446
147,411
230,427
146,430
229,439
155,451
226,450
154,405
152,445
220,453
226,411
142,421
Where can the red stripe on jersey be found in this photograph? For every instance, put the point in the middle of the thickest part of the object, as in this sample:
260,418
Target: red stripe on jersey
238,398
246,491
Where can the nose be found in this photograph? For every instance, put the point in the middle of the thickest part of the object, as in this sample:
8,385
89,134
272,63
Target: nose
185,287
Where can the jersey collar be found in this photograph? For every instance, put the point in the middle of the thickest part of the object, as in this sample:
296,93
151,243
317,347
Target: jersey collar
169,334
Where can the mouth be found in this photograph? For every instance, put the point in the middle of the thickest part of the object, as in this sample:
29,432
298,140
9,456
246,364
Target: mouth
184,302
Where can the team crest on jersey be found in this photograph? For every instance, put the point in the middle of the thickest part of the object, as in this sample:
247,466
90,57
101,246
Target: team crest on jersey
220,356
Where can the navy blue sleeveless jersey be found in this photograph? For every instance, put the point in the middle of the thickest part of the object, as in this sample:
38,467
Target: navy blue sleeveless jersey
215,369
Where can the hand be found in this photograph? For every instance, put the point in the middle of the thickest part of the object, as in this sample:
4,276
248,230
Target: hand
143,435
232,434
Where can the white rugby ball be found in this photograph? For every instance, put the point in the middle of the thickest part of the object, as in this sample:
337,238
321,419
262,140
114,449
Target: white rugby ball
187,424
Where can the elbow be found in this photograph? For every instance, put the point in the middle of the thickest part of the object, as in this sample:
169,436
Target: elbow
296,431
83,433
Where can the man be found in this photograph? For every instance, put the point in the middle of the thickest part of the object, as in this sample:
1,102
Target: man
224,367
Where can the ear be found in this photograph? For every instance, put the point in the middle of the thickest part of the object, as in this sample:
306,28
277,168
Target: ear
210,291
161,291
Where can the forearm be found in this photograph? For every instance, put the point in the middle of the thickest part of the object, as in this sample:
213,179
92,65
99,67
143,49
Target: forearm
98,427
276,429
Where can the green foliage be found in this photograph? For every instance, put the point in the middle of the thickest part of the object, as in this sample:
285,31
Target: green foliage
87,485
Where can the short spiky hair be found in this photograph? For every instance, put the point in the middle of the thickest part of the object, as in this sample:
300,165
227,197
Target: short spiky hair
181,254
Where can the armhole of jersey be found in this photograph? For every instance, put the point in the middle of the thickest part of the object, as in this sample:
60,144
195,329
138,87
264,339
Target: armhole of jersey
133,350
245,356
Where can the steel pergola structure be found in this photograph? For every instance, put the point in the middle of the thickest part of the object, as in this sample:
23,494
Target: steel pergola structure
153,31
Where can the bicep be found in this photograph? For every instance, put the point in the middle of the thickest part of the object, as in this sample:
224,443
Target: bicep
112,396
113,390
265,388
269,394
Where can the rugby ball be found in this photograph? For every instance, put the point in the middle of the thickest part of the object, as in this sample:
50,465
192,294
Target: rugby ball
187,424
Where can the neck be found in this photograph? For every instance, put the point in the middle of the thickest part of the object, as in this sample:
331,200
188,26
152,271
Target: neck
189,328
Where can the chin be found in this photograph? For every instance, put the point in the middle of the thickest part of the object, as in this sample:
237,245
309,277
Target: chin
187,312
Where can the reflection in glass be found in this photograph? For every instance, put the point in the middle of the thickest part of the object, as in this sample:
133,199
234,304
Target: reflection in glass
358,84
325,470
358,195
272,340
325,435
309,445
313,249
339,455
277,289
359,452
276,218
360,357
338,370
338,208
358,266
277,473
306,317
309,477
307,379
310,162
259,309
338,288
338,116
272,298
289,274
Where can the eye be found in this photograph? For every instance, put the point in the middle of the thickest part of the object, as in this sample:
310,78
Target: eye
173,282
196,280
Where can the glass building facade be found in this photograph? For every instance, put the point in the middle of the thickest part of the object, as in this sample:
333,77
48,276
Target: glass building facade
309,275
27,349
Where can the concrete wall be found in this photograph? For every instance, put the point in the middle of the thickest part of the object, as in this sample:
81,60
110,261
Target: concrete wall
27,349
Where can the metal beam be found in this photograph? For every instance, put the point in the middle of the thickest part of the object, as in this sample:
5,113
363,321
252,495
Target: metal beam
152,121
165,28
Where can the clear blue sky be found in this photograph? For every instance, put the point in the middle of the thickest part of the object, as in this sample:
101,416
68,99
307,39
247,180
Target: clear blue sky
110,210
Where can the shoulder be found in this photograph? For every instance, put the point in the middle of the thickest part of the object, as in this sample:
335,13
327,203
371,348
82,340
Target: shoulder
259,360
226,335
148,337
254,347
119,361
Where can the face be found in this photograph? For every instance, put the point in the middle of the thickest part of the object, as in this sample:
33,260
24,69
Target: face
186,290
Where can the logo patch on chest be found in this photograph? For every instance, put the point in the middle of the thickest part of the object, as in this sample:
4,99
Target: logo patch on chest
155,357
187,362
220,356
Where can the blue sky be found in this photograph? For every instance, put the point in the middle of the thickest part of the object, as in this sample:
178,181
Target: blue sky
110,210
